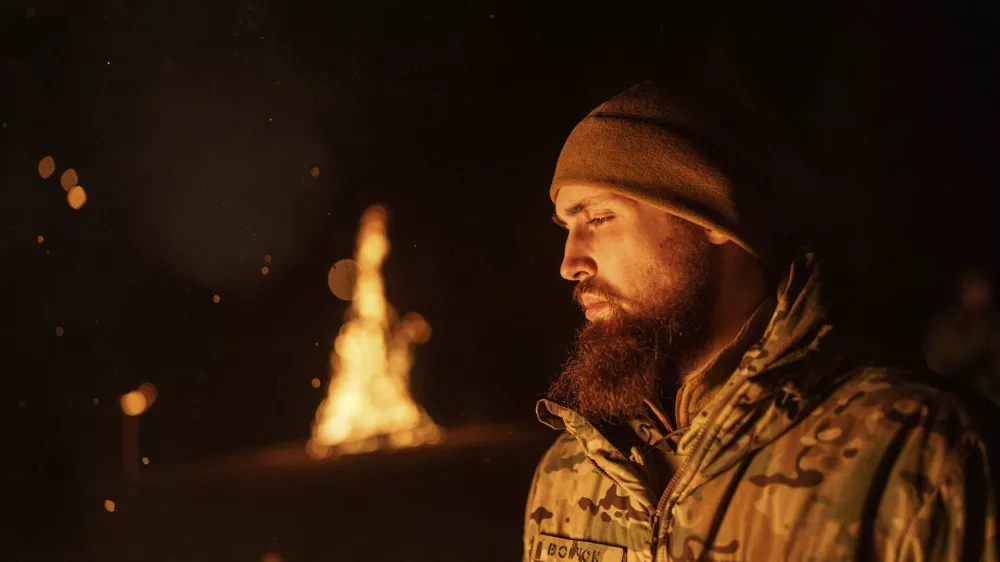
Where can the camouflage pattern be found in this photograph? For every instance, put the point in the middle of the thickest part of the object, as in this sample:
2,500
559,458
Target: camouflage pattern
806,453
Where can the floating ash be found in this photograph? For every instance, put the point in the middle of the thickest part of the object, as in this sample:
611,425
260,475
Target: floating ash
368,404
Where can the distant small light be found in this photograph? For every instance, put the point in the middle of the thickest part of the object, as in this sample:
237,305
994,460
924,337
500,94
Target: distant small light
315,383
59,331
149,392
493,16
264,270
216,299
315,172
41,239
77,197
109,62
267,258
96,401
134,403
68,179
109,506
46,167
21,403
145,460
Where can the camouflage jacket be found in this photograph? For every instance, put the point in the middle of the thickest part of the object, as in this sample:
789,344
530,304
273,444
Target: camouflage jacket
802,454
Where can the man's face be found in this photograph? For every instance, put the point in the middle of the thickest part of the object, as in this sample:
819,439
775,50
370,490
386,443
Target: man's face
645,280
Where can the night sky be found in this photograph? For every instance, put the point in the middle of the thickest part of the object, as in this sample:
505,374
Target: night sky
194,127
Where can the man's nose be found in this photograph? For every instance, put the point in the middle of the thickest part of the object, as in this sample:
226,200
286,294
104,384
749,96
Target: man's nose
577,263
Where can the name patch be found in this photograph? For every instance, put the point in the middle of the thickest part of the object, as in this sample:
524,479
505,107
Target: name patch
546,548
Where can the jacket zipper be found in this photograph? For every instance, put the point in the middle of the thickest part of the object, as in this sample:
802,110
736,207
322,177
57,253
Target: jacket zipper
663,505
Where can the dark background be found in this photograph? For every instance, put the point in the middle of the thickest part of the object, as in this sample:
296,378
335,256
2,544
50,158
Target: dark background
194,126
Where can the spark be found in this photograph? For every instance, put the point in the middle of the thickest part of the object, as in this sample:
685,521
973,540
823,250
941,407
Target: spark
46,167
109,506
69,179
77,197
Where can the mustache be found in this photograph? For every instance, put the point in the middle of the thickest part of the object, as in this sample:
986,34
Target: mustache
597,288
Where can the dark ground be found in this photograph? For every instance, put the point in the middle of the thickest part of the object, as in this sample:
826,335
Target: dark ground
463,500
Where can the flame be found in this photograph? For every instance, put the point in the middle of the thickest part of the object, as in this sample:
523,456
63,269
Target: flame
368,403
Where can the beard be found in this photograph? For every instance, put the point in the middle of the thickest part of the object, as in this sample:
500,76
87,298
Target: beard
627,358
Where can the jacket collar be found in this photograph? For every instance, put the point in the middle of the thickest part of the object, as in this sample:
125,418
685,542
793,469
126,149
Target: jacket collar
778,379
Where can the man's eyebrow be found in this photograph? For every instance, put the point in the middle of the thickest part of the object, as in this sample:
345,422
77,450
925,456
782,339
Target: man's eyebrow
579,207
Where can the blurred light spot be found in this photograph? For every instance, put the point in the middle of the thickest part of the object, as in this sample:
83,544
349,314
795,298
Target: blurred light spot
149,393
271,557
264,270
342,277
267,258
41,239
216,298
59,331
315,383
69,179
315,172
76,197
96,401
109,63
145,460
134,403
46,167
20,403
109,506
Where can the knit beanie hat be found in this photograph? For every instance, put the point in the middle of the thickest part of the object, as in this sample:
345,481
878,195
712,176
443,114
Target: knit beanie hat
678,152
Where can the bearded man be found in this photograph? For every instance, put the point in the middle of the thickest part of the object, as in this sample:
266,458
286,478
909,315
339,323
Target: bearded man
712,409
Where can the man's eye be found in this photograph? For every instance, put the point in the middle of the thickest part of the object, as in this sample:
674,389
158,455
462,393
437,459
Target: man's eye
597,221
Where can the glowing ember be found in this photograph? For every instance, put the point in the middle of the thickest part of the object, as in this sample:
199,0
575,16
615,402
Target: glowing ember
267,258
109,506
59,331
145,460
314,172
46,167
41,239
69,179
139,400
264,270
315,383
216,299
134,403
77,197
368,403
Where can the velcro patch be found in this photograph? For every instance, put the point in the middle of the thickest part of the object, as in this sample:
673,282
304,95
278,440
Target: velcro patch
546,548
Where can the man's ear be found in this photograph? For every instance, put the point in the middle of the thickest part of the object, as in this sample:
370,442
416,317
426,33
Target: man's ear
716,237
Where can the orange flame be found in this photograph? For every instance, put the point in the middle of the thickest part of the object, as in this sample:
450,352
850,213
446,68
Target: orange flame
368,403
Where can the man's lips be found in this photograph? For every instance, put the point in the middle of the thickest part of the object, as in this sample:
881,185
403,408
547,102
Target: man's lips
594,309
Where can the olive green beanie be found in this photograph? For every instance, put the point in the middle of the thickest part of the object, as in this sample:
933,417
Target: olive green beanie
675,152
